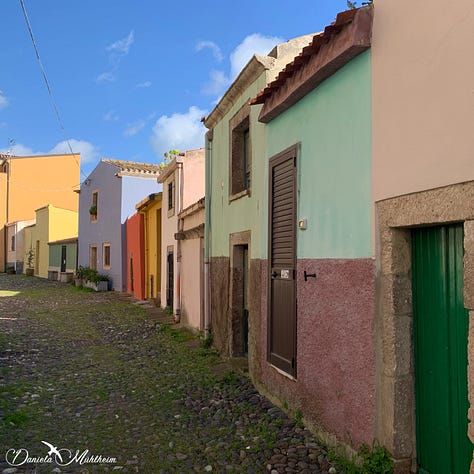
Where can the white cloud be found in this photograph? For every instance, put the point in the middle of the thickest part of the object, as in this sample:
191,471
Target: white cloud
89,152
179,131
3,100
121,46
252,44
143,85
216,51
133,128
111,116
105,77
18,150
116,51
219,81
217,84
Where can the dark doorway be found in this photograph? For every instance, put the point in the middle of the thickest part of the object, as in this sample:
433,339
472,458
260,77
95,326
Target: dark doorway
282,261
170,280
240,312
63,258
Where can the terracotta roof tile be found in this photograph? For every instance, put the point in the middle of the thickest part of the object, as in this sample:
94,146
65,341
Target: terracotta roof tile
135,168
342,19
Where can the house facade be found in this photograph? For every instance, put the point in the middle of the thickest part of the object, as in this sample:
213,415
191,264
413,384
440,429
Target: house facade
52,224
15,233
314,338
191,237
135,242
235,205
422,192
107,198
28,183
62,259
150,210
183,184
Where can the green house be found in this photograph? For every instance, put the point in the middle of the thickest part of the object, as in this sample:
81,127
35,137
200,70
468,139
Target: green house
62,259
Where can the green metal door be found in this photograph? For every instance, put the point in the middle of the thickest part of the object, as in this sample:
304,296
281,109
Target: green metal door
440,328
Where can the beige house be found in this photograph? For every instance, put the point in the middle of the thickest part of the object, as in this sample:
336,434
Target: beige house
423,203
191,237
183,186
15,232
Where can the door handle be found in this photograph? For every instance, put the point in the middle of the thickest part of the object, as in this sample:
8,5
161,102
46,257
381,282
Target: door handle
309,275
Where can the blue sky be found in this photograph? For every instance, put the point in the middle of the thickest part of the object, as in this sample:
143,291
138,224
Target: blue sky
131,79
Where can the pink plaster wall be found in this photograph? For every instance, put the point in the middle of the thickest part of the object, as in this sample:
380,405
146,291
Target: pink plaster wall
194,176
335,383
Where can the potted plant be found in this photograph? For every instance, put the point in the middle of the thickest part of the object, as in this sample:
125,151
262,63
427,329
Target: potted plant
93,212
79,276
93,279
30,259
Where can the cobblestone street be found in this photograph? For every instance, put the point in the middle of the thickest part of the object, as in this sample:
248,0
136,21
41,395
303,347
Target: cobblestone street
93,373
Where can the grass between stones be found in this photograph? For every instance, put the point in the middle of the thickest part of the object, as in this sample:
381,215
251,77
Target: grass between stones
86,371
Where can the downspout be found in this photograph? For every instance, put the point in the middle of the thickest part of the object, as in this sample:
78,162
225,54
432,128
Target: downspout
179,228
207,237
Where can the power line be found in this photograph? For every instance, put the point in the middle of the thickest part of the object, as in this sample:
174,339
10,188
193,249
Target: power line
48,87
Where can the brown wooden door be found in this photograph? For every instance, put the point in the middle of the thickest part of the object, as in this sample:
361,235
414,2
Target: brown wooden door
282,261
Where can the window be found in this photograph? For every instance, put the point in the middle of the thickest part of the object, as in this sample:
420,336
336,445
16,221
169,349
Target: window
240,153
106,256
171,197
94,206
93,257
12,248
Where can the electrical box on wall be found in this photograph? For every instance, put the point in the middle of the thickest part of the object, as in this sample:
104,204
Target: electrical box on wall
303,224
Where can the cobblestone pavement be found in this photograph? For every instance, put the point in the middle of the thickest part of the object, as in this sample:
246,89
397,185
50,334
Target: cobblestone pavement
98,376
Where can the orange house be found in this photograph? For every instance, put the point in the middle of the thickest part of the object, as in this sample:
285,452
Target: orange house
31,182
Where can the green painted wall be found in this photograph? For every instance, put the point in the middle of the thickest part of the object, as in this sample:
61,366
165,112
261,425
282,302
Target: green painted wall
245,213
55,255
333,126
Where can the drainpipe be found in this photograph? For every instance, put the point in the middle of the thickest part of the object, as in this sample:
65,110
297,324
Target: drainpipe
207,237
179,228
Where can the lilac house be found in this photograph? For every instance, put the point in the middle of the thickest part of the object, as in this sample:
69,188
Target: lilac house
106,199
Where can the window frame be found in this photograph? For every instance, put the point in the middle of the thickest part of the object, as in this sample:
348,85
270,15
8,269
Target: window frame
171,189
94,202
93,265
240,154
105,266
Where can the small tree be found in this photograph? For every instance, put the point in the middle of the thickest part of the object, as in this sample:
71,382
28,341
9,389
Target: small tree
30,258
169,156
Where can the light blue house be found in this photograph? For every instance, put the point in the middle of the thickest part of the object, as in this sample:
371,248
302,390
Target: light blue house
106,199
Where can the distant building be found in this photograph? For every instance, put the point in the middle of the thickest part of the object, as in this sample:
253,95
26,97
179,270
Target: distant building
183,182
28,183
107,198
149,209
52,224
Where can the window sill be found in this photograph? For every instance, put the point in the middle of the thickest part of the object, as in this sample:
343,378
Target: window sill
245,192
282,372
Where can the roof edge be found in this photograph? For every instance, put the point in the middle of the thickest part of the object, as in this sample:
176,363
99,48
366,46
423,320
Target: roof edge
340,42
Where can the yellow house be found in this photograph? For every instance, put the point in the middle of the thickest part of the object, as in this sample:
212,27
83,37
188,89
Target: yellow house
150,208
28,183
52,224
